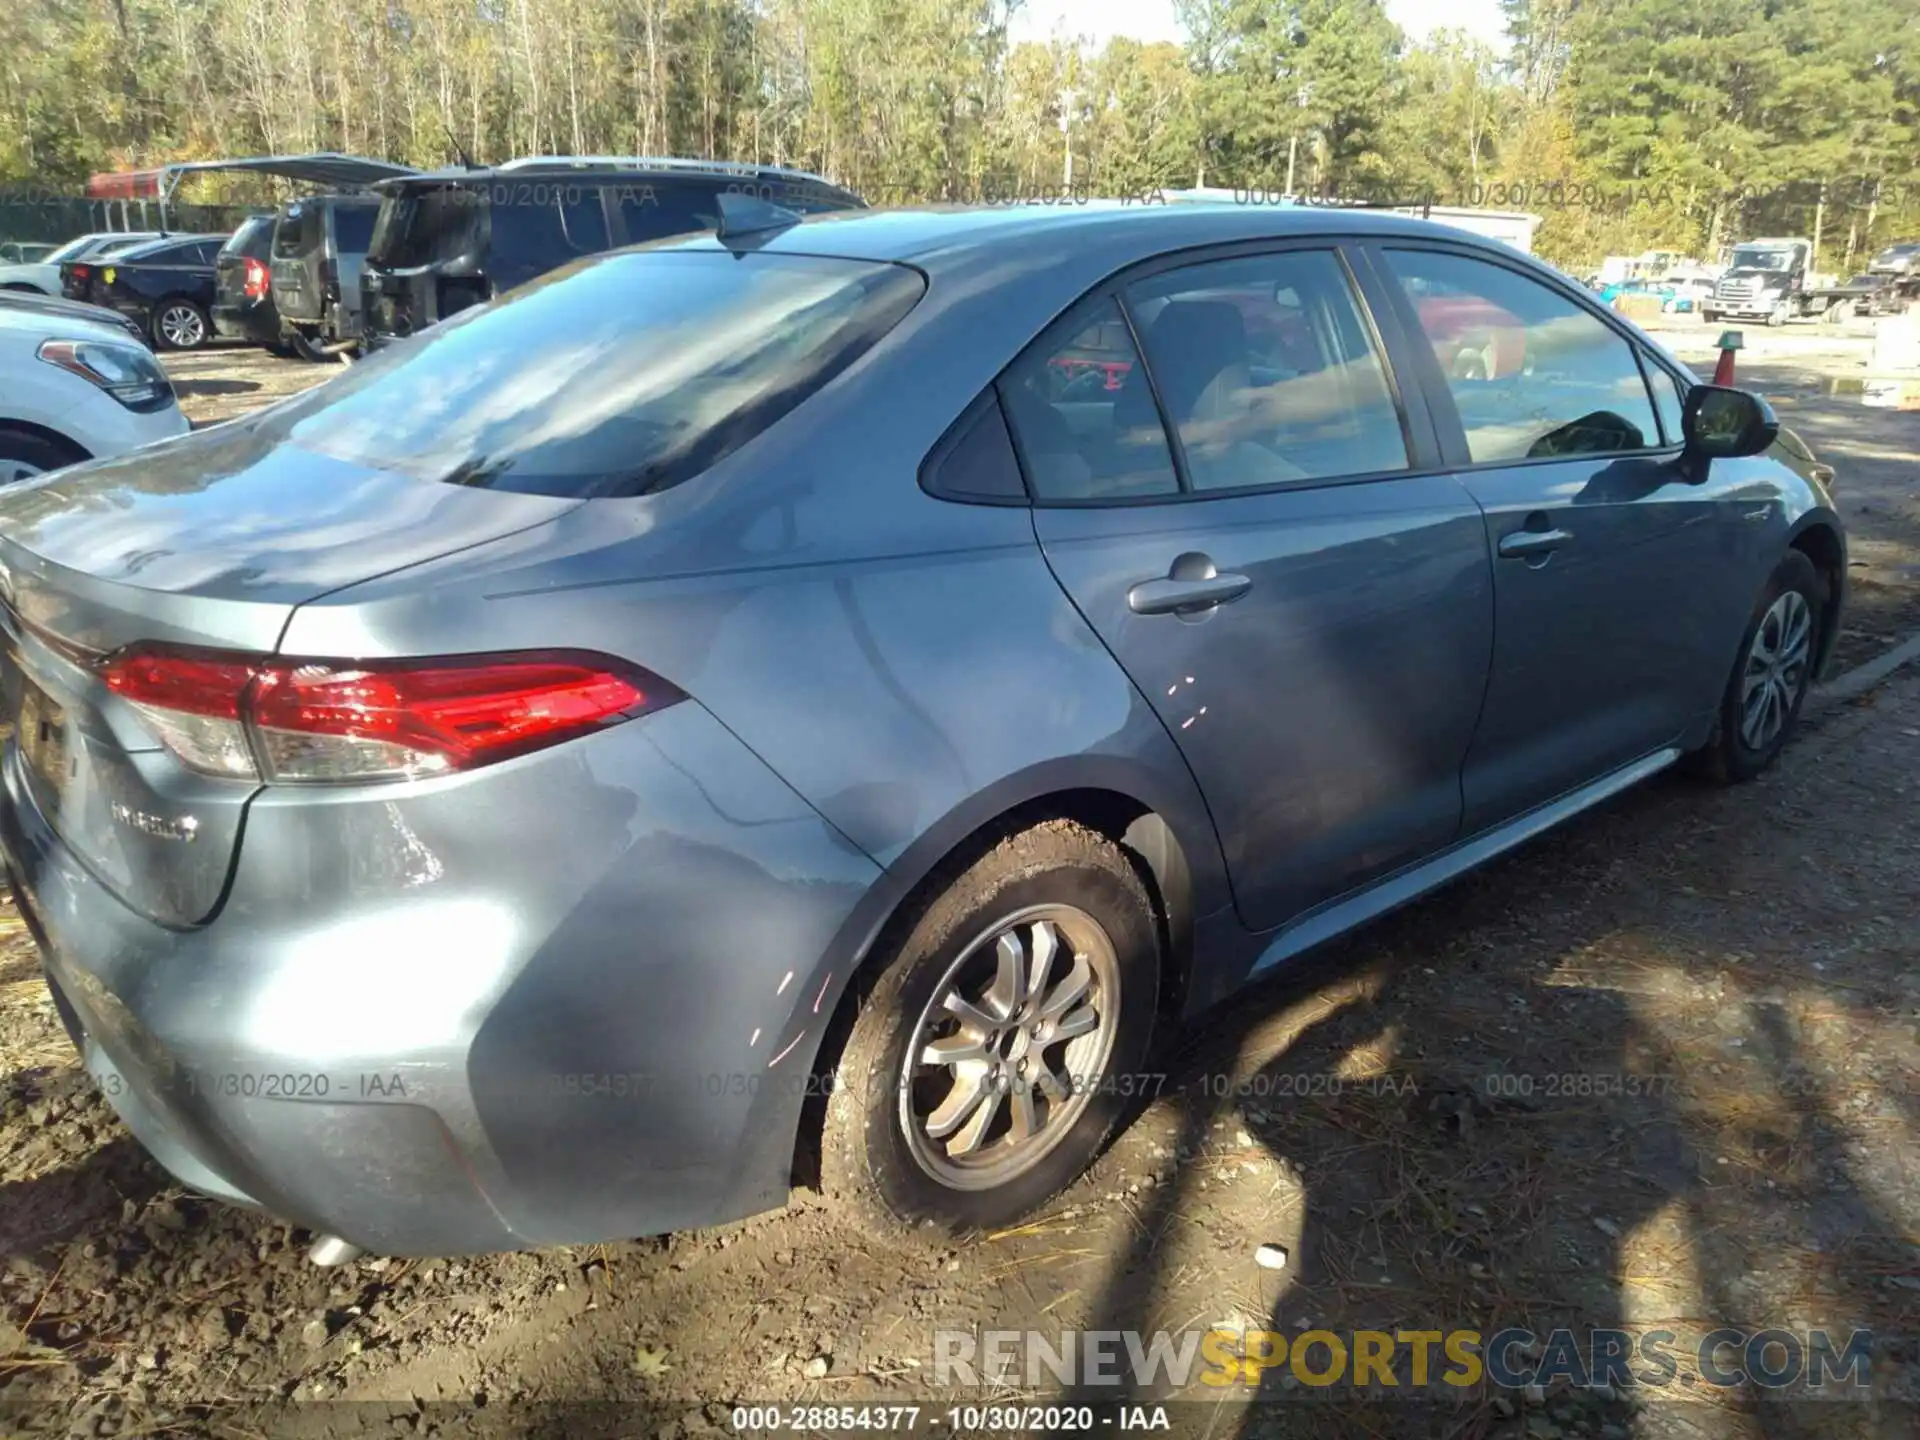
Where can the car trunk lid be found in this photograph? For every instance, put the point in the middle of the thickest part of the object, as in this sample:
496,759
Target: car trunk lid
209,542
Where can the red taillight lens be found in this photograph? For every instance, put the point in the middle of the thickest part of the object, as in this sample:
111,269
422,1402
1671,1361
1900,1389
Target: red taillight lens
328,720
255,283
80,272
193,702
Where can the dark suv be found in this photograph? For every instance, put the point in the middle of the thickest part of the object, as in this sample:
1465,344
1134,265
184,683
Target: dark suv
319,245
242,298
452,239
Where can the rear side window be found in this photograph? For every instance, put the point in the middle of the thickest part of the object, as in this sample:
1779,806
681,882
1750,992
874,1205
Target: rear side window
1532,374
654,211
1267,371
616,378
1084,416
975,460
298,227
538,225
353,228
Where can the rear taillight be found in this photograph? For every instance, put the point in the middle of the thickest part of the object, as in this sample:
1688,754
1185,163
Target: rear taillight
255,283
307,721
81,272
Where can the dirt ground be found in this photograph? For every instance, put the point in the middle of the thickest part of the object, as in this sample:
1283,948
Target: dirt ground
1660,1069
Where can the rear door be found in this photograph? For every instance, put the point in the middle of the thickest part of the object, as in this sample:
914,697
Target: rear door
352,233
1261,533
299,248
1619,585
423,262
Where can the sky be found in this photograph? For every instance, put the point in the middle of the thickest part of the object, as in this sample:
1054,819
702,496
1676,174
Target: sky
1154,19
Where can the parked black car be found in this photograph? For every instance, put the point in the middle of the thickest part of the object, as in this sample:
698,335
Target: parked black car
165,285
319,245
243,307
451,239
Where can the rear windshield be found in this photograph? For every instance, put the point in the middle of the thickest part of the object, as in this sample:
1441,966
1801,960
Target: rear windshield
251,239
419,225
122,247
616,377
73,249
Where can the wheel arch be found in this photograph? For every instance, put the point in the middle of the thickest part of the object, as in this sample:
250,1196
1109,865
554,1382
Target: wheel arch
1142,832
1821,543
43,432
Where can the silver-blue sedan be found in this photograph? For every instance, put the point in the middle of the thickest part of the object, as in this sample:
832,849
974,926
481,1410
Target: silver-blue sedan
829,697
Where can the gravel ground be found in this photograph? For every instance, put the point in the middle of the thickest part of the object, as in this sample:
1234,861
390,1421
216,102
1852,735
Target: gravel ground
1659,1069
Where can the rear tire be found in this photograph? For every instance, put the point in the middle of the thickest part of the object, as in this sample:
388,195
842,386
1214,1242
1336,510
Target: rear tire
309,350
1778,651
1041,1053
180,324
26,453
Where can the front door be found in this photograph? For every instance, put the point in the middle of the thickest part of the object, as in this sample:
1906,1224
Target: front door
1311,620
1618,587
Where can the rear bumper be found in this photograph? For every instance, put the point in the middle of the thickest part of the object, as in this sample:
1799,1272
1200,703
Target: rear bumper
572,998
255,324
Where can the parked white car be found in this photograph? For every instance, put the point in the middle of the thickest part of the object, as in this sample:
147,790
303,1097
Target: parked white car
44,274
75,389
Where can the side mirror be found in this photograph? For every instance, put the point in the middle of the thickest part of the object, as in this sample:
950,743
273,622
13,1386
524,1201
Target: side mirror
1721,423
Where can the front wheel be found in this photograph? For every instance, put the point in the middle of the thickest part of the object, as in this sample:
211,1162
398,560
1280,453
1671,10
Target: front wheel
1003,1042
25,454
1770,680
180,325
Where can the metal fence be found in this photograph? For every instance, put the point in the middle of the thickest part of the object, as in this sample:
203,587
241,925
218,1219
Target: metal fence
50,219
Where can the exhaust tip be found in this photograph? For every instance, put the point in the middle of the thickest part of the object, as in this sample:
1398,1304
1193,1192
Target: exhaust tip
330,1250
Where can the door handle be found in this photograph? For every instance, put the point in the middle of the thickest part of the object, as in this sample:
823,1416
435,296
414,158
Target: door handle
1523,544
1193,584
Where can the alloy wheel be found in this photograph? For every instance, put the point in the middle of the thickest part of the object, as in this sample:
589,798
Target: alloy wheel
14,471
1776,669
182,327
1008,1051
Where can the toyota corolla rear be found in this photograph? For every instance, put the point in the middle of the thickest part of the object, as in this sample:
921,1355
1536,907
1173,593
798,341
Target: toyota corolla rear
387,904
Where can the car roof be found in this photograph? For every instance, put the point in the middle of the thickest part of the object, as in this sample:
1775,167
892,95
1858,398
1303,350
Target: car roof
150,247
612,168
933,236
